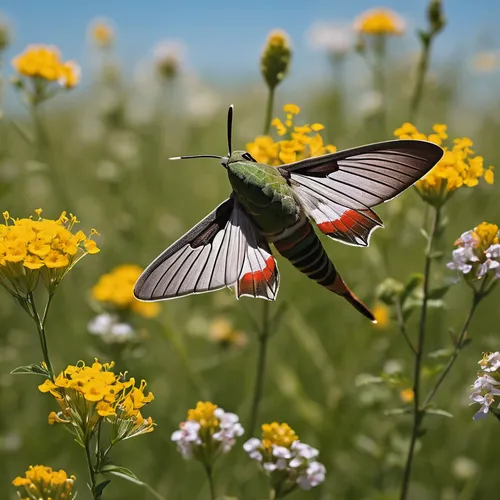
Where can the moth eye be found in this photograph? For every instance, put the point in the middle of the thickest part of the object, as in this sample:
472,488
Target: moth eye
248,157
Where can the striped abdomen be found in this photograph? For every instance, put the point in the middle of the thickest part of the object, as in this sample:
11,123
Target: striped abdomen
304,250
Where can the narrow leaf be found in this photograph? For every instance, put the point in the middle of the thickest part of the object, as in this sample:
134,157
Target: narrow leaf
439,293
30,370
440,353
100,488
437,411
397,411
412,284
123,472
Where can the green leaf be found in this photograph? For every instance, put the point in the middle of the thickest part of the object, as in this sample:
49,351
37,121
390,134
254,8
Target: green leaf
440,353
367,379
123,472
436,255
30,370
397,411
435,304
412,284
437,411
100,488
439,293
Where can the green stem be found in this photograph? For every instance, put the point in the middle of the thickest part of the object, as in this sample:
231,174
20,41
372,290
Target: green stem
379,77
269,111
402,326
261,367
211,484
418,90
40,325
272,494
91,470
458,347
418,412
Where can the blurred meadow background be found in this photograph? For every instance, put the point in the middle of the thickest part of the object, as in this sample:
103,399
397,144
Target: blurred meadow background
156,81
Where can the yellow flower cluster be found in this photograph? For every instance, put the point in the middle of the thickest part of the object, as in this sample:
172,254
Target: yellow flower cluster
43,483
380,21
116,289
30,248
483,236
459,166
102,33
204,415
278,434
87,394
222,332
44,61
298,142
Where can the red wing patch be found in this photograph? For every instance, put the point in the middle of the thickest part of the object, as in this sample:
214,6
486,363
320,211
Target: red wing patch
262,282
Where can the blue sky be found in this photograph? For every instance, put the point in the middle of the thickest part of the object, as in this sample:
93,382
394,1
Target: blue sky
224,38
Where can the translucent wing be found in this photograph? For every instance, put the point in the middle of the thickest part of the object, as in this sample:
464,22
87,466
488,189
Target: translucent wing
215,254
259,276
338,190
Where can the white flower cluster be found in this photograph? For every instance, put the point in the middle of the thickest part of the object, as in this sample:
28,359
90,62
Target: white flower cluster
110,329
190,434
469,255
299,462
487,385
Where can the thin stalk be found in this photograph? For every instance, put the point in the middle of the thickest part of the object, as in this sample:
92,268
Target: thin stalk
211,484
40,325
379,77
269,111
458,346
261,368
418,412
91,470
272,494
418,90
402,326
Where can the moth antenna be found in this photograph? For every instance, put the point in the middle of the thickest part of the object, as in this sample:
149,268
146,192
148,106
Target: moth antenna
230,129
195,156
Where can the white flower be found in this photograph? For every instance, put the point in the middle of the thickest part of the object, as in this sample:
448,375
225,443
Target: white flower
462,258
230,429
108,327
486,386
252,448
314,475
187,437
493,252
101,324
304,450
281,452
333,37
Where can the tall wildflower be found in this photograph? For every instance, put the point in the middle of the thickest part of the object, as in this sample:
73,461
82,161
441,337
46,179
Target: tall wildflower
208,432
379,22
459,167
42,483
286,461
97,404
41,72
40,250
274,66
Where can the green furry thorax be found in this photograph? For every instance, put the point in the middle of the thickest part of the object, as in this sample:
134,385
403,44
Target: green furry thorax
265,193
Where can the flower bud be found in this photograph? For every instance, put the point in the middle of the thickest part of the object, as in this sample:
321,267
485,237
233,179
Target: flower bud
275,59
435,16
389,290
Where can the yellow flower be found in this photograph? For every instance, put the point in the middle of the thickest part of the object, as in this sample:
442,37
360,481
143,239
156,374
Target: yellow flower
204,414
406,395
44,62
382,315
278,434
299,141
380,21
116,289
30,248
100,394
43,483
275,58
102,33
222,332
459,166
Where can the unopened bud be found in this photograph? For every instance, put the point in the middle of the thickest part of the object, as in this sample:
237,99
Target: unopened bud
275,59
4,35
389,290
435,15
